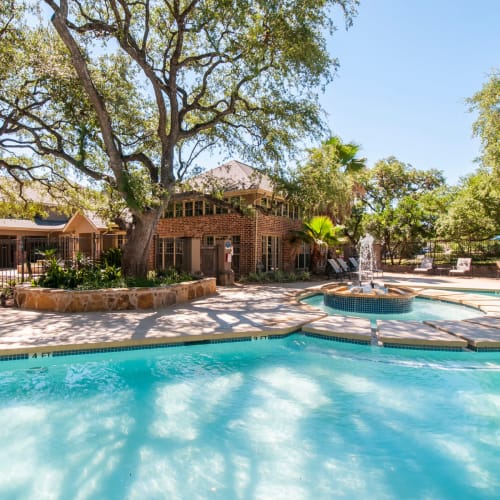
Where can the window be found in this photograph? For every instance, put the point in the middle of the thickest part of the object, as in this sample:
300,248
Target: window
178,210
169,211
198,207
235,264
303,257
121,240
188,208
209,208
271,252
169,253
219,209
295,212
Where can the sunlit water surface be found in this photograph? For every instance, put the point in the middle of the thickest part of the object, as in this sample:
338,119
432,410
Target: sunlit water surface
491,293
423,310
297,418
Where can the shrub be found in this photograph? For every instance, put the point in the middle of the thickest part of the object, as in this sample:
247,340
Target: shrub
83,276
112,257
7,292
277,276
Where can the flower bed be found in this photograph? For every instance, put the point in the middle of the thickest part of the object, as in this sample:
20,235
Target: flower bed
111,299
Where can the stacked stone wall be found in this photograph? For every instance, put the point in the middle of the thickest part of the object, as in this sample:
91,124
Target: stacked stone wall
112,299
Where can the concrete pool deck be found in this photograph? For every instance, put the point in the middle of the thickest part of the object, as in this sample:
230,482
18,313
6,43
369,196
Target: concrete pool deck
246,312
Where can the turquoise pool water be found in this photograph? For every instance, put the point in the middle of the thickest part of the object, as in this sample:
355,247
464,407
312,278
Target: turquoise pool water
296,418
423,309
490,293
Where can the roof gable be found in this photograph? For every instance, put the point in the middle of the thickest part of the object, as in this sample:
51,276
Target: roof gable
233,176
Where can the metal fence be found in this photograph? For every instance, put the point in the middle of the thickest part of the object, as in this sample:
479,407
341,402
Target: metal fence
444,252
22,260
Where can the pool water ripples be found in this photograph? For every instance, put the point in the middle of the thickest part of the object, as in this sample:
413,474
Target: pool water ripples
295,418
423,309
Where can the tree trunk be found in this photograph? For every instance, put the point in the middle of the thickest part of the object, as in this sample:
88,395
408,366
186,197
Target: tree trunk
315,259
136,251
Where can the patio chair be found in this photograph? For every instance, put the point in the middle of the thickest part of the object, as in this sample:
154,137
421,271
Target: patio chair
344,266
425,266
462,268
334,269
374,273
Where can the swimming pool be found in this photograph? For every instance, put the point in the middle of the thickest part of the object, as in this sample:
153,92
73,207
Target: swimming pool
423,309
490,293
295,418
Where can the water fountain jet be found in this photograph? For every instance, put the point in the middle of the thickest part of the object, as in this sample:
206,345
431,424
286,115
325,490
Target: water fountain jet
371,298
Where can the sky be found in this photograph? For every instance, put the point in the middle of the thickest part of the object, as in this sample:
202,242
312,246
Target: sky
406,69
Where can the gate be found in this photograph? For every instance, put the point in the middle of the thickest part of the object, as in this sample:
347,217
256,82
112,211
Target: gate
208,260
7,253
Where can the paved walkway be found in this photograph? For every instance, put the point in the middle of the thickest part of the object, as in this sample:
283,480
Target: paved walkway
233,312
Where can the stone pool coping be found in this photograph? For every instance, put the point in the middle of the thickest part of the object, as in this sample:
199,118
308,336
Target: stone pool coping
481,333
247,312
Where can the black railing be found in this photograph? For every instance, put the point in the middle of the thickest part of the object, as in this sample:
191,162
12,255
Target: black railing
22,260
444,252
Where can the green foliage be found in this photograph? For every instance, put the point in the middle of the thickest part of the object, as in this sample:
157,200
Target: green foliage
326,182
473,208
401,204
111,274
277,276
176,79
54,275
172,275
162,277
320,233
82,275
7,292
112,257
486,103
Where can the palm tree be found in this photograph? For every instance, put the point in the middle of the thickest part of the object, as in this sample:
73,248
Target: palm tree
328,182
345,154
320,233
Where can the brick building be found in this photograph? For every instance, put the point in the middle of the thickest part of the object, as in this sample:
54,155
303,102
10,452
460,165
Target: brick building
231,202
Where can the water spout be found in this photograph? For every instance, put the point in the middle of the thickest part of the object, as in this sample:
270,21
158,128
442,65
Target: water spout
366,258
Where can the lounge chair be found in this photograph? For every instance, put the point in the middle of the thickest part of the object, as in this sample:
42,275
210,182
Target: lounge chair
374,273
462,268
334,269
344,266
425,266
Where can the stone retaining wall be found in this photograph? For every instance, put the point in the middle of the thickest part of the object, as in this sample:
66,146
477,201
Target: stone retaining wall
110,299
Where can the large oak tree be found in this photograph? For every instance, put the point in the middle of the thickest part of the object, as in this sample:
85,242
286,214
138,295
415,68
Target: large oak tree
401,204
128,94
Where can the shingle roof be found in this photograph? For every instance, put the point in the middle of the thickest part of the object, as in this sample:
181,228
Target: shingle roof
233,176
47,224
36,194
32,225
